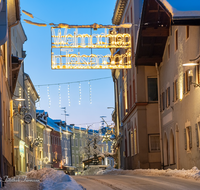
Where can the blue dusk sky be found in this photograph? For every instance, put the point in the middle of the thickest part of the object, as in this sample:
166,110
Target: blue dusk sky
38,60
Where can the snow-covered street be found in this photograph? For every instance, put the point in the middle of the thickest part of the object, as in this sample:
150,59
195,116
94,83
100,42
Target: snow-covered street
136,182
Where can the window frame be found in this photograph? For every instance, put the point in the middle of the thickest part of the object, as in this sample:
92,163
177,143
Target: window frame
150,147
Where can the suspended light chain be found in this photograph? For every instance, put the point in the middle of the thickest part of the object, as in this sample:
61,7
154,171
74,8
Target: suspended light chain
90,92
79,93
49,98
69,102
59,93
38,91
29,106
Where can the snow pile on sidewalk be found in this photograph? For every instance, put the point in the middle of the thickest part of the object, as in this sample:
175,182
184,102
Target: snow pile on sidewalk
54,179
194,173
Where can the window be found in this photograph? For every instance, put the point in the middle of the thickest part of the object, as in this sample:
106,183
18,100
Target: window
73,161
168,97
135,141
187,32
187,80
72,140
176,40
76,140
77,160
154,143
108,161
188,138
197,126
163,101
132,152
152,89
197,74
168,51
175,90
80,142
133,91
130,99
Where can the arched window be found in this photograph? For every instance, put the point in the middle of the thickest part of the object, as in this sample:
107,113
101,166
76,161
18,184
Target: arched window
125,143
172,160
166,163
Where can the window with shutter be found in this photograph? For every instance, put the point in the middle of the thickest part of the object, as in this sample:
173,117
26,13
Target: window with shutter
190,136
197,134
185,138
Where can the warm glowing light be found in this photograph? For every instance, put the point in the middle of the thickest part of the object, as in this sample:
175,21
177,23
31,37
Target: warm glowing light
35,23
190,64
27,13
66,42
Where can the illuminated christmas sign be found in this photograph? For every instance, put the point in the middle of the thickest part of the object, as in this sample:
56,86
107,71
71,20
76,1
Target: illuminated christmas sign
72,49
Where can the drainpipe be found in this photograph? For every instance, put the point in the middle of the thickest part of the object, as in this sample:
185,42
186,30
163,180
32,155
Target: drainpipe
117,116
159,117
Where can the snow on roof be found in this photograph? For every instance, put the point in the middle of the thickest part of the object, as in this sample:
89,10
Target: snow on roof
182,8
51,123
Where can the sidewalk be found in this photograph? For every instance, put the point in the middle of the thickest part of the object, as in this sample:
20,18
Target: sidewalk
21,186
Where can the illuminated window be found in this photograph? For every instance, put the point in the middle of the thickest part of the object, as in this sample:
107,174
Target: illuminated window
188,138
154,143
187,32
197,74
135,142
176,40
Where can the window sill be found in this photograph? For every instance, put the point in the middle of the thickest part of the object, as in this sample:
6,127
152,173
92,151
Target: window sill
189,151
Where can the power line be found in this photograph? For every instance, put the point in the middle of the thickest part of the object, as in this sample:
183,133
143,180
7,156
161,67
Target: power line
72,82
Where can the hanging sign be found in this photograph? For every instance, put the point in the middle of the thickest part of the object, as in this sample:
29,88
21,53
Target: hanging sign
66,44
27,118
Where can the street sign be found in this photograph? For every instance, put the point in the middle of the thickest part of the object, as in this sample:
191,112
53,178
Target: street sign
27,118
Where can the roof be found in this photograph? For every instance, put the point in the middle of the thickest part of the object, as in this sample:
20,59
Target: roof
52,124
118,12
182,10
33,87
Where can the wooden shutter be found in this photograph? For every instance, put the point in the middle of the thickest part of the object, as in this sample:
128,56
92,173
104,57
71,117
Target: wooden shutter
190,136
197,135
185,139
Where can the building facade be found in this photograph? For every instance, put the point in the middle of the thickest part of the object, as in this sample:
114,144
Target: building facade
136,99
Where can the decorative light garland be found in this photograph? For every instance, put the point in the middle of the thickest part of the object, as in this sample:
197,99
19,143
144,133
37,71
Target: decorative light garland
69,102
49,98
90,92
38,91
29,103
59,94
79,93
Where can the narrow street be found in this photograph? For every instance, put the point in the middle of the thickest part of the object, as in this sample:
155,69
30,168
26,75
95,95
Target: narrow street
126,182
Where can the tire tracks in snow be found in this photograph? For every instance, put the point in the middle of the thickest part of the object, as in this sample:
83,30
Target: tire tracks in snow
104,183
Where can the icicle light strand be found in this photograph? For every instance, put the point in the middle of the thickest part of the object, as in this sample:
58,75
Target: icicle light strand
39,97
59,93
79,93
69,102
90,92
49,98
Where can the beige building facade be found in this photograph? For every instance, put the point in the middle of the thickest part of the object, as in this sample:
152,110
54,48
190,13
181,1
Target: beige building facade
136,93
